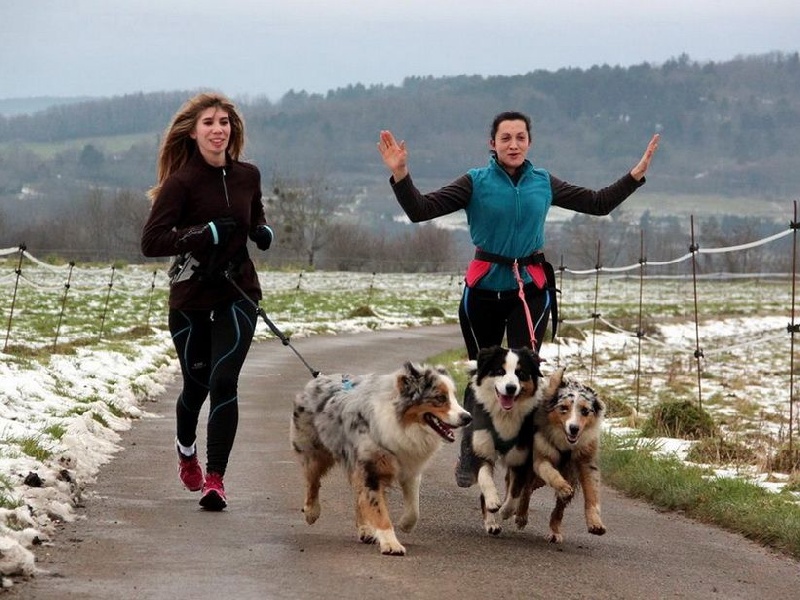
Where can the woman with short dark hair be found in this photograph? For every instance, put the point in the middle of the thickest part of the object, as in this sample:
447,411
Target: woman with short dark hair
510,287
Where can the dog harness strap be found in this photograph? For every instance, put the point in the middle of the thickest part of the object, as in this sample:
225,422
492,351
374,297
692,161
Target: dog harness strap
500,445
521,286
564,458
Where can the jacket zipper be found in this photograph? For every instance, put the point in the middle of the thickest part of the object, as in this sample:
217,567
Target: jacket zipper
225,187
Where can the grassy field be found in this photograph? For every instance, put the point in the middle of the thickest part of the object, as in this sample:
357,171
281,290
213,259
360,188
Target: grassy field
738,474
105,144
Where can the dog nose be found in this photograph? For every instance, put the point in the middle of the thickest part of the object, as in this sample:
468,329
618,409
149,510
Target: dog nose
466,419
511,389
574,429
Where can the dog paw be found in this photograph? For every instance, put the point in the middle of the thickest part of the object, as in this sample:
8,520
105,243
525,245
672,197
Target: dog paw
312,513
510,506
555,538
407,522
393,549
597,529
493,503
388,543
521,521
493,528
565,492
366,535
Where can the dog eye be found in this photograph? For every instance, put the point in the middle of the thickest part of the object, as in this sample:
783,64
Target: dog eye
586,412
439,400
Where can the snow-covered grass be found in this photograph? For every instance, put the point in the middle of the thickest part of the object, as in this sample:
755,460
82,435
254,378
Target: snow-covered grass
85,347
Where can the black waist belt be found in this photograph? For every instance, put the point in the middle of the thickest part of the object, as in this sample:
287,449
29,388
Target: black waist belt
537,258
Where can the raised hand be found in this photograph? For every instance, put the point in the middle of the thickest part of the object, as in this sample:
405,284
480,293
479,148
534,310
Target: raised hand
394,155
641,167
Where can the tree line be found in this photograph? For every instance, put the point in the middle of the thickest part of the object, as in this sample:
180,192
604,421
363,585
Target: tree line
729,128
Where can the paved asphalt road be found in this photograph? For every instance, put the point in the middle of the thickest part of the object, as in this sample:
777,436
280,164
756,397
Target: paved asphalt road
144,537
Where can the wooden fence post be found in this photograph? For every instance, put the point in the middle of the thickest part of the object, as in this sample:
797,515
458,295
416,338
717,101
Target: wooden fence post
698,352
63,304
640,329
18,271
105,307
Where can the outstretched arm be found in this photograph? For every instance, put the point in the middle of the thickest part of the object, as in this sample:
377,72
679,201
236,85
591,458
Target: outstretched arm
641,167
394,154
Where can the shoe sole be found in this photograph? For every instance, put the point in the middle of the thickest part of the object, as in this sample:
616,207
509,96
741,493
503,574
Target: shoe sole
465,480
465,476
213,501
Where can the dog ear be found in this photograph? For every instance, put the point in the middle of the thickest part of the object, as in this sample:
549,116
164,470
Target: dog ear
531,361
486,357
409,380
485,354
411,369
554,382
598,406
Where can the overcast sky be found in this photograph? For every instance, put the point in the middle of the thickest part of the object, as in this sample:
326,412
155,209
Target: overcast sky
268,47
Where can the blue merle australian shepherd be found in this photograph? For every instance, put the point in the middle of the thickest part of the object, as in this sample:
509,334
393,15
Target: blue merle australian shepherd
383,429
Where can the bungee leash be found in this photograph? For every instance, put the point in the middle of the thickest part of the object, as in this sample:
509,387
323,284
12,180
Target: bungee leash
272,327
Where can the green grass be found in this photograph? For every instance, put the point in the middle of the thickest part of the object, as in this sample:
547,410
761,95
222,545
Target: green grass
106,144
7,498
32,446
133,314
772,519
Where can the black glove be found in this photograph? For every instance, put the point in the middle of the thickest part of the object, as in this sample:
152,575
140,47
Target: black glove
262,236
221,230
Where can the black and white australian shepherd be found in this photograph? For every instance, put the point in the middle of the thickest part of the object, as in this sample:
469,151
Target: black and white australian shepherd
566,442
507,386
383,429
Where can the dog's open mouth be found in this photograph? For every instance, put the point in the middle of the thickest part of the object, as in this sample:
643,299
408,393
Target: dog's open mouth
573,438
443,429
506,401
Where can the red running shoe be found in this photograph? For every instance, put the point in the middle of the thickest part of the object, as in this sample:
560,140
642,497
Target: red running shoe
190,472
213,497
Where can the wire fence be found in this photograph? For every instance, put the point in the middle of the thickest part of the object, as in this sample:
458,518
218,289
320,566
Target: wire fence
46,306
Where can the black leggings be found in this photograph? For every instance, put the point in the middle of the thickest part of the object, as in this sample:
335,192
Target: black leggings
487,317
211,346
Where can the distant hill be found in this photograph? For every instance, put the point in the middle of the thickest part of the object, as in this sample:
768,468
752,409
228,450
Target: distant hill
10,107
728,129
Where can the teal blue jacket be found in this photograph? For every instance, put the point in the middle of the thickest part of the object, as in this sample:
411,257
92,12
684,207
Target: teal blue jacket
507,216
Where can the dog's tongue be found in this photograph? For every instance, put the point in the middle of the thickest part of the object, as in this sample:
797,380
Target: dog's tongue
507,402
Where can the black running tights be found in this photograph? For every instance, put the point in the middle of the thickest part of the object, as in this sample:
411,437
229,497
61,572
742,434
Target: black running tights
212,347
488,317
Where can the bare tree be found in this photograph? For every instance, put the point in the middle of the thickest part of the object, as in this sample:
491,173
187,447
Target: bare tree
425,248
301,212
354,247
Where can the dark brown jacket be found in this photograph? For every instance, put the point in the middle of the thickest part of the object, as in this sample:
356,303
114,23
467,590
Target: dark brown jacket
178,223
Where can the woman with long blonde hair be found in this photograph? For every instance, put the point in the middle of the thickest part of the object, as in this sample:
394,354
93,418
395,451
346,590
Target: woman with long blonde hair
206,203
